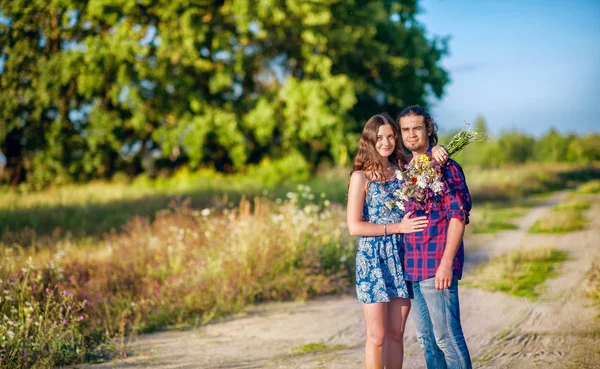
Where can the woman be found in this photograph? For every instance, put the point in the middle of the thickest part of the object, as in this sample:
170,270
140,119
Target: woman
380,284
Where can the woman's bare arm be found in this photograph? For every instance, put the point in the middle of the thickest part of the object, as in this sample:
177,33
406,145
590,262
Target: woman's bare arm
358,227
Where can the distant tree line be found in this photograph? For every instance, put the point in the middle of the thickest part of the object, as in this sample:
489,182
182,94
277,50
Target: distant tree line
516,147
91,88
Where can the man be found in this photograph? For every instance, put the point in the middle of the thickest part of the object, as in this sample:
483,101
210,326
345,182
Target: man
434,257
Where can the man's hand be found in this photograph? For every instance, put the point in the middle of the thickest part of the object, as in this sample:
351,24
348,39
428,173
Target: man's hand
443,276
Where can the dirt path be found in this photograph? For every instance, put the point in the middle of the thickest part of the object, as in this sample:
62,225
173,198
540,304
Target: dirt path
558,331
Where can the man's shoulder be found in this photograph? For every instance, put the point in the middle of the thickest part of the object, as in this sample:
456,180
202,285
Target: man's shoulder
452,162
452,166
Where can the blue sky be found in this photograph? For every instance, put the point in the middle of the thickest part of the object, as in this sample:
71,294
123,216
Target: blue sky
524,64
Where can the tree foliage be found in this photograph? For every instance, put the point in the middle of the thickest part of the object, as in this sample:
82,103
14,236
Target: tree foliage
93,87
515,147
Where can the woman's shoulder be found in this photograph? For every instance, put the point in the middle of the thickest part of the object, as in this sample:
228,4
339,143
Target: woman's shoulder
359,175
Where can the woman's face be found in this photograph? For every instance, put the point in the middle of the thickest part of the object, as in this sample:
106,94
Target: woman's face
386,142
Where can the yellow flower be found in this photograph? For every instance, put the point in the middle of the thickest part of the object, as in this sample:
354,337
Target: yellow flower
424,159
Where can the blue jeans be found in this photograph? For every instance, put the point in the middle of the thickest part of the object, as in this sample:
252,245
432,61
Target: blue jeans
437,320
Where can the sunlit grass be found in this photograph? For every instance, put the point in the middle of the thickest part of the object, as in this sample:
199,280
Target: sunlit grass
138,269
316,348
511,182
188,266
96,208
310,347
91,210
564,217
492,218
573,204
590,187
565,221
520,273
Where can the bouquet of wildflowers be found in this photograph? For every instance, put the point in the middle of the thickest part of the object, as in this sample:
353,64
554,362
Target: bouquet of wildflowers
423,181
422,177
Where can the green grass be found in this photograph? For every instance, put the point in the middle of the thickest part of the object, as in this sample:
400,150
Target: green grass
590,187
91,210
317,347
310,347
97,208
517,181
568,221
519,273
565,217
492,218
572,204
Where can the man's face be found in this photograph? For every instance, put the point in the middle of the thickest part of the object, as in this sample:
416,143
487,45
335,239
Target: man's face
414,135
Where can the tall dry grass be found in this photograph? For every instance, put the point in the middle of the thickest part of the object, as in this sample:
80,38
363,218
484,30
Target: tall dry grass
187,266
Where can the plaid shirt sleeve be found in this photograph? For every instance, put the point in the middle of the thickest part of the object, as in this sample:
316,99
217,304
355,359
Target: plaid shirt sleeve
458,200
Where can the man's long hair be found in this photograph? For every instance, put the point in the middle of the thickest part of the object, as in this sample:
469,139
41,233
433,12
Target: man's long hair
367,159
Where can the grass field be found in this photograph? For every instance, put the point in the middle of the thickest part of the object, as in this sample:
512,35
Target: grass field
519,273
494,217
85,266
94,209
565,217
72,303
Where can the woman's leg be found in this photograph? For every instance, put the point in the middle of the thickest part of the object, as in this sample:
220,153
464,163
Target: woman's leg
375,318
397,313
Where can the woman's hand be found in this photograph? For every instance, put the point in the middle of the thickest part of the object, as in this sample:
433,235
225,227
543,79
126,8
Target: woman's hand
411,225
439,154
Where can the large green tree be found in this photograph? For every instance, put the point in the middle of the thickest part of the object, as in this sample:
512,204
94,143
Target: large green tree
92,87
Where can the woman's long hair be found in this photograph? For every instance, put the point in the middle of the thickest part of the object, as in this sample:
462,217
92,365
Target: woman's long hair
367,159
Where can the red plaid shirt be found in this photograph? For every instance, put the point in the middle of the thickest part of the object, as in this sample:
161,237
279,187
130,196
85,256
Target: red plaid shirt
424,250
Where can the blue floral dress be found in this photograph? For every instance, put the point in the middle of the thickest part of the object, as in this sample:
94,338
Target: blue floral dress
379,274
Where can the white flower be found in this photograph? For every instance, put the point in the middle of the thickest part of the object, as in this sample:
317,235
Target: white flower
205,212
399,175
436,187
276,218
400,205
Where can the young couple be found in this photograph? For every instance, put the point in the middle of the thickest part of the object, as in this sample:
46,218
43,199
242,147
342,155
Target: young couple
403,258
